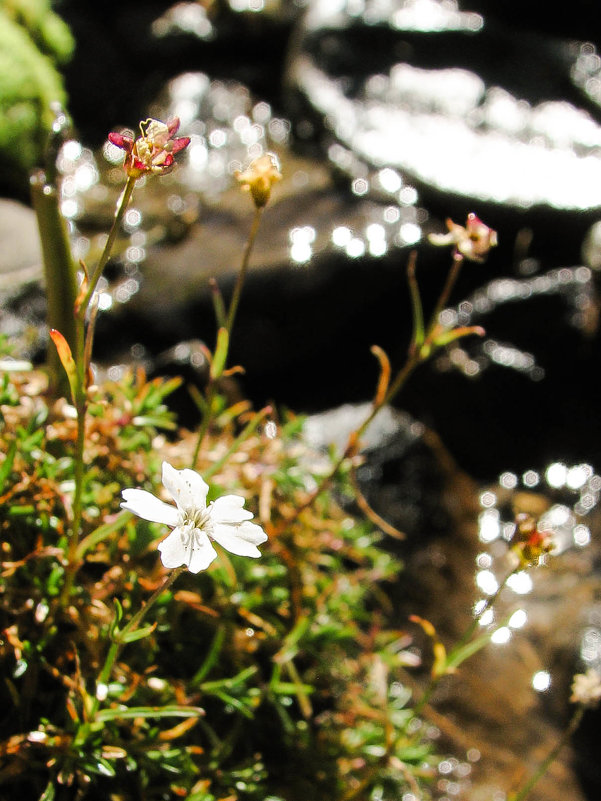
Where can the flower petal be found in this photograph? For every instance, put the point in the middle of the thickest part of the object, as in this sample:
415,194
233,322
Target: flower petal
229,509
185,547
121,140
188,488
241,539
180,144
146,506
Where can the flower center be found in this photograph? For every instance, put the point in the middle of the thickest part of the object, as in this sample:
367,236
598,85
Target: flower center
197,519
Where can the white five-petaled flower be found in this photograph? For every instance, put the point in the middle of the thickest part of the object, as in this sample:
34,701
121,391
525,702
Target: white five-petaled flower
195,523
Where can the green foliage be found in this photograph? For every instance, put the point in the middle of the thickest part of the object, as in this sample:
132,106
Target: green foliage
33,42
243,676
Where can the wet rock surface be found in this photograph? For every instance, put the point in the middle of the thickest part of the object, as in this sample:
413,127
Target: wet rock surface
506,707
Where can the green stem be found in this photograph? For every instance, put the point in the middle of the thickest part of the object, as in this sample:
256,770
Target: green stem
59,270
488,604
122,205
463,640
446,292
206,421
228,325
246,432
79,467
132,625
231,316
83,352
524,791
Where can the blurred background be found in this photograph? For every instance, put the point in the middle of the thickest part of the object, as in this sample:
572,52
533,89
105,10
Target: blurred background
388,117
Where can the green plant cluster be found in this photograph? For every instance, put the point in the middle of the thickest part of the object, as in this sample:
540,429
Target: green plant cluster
271,679
34,42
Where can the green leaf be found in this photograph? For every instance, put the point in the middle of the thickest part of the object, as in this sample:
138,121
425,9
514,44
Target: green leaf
220,355
173,711
211,657
137,634
48,794
101,533
7,464
417,339
68,362
454,334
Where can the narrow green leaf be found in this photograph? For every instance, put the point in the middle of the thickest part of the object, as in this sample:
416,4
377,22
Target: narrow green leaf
48,794
7,464
211,657
240,678
173,711
416,304
457,333
102,532
138,634
220,355
67,360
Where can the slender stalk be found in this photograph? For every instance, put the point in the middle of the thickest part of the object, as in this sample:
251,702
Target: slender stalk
59,270
122,205
72,560
229,324
356,435
205,423
524,791
463,640
418,352
83,351
488,604
458,260
131,626
231,316
246,432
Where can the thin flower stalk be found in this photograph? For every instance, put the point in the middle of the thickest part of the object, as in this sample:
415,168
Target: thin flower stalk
233,308
475,241
528,547
570,729
258,179
122,636
153,152
83,349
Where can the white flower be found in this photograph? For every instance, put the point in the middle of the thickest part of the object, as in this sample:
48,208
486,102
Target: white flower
194,523
586,688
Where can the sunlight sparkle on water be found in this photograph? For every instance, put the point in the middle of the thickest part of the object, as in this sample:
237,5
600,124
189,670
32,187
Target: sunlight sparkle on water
390,180
501,636
487,617
531,478
341,236
578,476
488,499
541,681
487,582
518,620
556,475
355,248
301,240
453,132
520,583
410,233
590,646
489,526
582,535
508,480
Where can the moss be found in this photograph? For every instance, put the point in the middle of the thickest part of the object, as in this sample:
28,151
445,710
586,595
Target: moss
33,41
